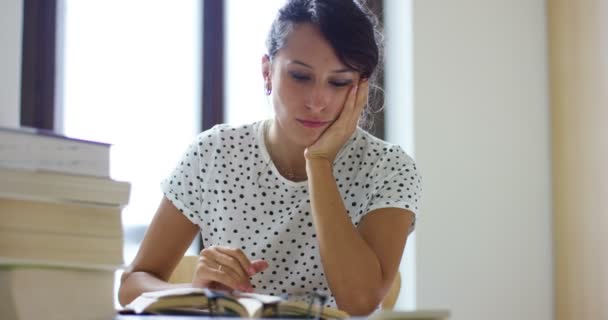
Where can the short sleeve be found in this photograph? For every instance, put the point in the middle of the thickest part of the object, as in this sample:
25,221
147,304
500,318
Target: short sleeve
400,187
184,187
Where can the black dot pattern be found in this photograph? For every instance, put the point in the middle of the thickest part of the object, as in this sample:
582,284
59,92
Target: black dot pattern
227,184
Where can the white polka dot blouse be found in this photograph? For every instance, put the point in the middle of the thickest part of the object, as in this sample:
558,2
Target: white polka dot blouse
227,184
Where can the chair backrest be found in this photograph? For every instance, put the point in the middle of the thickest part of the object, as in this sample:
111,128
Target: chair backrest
185,270
388,303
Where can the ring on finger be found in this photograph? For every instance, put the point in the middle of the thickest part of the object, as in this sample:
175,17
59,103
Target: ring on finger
219,268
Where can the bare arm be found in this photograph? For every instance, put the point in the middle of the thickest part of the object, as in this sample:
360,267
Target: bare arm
167,238
360,263
164,244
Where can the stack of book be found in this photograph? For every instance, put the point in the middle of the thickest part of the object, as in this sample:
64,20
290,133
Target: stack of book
60,227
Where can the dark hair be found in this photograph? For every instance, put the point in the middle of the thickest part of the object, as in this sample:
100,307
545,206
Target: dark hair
349,26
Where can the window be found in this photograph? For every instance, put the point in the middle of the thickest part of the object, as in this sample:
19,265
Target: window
247,24
130,76
399,114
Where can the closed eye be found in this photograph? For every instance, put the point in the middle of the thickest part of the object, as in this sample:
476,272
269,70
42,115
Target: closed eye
341,83
299,76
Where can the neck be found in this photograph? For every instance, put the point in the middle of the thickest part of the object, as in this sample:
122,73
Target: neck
287,157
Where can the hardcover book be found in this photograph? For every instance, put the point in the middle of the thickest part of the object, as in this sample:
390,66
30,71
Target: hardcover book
84,220
58,187
38,149
56,249
31,292
230,304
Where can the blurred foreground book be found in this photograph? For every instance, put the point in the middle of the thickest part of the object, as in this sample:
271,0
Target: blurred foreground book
61,239
42,292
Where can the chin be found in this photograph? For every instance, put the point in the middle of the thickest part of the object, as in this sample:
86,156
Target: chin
305,142
310,136
302,139
301,136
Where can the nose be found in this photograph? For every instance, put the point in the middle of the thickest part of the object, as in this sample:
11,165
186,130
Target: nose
317,100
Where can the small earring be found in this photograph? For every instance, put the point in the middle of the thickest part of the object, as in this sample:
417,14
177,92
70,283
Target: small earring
268,90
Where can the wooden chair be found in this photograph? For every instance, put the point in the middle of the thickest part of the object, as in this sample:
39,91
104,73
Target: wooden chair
388,303
185,269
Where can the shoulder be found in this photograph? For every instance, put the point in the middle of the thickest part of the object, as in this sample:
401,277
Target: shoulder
378,152
226,130
222,135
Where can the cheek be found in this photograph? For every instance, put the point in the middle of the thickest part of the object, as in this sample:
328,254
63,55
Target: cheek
289,96
338,99
284,102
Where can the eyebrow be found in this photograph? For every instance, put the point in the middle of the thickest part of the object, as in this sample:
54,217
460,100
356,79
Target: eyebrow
345,70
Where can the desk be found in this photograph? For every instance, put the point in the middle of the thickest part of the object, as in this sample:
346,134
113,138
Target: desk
166,317
438,314
185,317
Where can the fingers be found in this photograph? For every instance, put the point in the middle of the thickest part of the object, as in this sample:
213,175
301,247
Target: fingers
226,266
345,115
349,104
259,265
360,100
355,102
362,95
237,256
209,273
226,259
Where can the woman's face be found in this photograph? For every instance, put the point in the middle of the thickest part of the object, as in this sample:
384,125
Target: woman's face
309,85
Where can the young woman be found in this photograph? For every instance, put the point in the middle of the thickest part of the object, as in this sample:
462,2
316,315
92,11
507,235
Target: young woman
306,201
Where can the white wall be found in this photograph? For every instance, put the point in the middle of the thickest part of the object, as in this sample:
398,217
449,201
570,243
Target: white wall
399,115
11,17
481,136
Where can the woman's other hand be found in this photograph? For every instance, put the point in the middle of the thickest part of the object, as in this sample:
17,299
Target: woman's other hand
226,268
334,137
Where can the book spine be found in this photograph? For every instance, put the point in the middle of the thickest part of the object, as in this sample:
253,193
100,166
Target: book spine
8,262
46,186
40,152
63,218
60,248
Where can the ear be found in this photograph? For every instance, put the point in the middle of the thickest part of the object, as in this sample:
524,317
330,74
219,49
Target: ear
266,68
266,73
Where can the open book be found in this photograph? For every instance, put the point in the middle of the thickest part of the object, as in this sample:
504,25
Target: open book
429,314
221,303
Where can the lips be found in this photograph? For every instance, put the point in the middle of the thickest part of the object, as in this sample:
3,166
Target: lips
312,123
